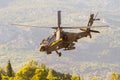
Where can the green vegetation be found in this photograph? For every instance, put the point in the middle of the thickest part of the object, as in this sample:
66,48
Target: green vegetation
9,69
115,76
0,76
33,71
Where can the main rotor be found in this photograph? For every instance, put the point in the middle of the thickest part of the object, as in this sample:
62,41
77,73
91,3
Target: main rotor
59,24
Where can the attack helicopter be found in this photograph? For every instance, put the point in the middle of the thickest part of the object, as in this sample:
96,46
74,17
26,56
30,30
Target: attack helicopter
66,40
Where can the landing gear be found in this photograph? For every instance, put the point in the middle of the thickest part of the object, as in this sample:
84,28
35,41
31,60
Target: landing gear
59,53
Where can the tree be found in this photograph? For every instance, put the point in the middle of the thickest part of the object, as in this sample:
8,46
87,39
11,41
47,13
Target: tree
9,69
2,72
43,66
51,76
75,77
40,74
5,77
94,78
118,77
27,72
113,76
0,76
33,71
67,76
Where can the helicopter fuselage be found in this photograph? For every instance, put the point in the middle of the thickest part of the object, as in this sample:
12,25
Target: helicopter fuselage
67,41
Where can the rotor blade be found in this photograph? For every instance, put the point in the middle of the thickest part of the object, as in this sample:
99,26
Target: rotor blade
84,27
59,18
34,26
80,27
30,26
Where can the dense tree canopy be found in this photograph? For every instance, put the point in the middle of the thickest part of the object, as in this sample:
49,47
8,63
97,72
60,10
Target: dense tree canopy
33,71
115,76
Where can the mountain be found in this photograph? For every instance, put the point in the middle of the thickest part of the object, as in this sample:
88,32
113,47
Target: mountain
97,56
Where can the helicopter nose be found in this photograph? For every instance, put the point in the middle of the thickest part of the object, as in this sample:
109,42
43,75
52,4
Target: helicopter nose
42,48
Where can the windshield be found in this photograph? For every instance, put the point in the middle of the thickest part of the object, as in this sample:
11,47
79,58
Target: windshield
51,39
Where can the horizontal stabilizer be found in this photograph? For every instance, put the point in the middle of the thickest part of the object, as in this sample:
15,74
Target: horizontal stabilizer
94,31
83,29
90,30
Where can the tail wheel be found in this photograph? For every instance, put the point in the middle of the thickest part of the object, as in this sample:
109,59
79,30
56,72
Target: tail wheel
59,54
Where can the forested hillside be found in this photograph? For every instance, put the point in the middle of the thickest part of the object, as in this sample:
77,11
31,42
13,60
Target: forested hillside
34,71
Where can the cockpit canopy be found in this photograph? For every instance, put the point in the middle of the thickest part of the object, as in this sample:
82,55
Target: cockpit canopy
49,40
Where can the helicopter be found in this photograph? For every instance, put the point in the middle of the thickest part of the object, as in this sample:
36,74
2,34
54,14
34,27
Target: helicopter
61,39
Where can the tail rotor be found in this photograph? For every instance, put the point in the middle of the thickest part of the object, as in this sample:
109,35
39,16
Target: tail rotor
90,23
